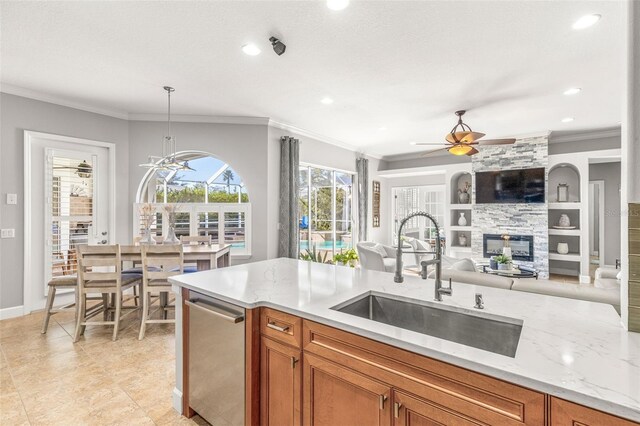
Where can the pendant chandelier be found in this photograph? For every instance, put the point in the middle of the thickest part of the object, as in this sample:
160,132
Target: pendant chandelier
168,160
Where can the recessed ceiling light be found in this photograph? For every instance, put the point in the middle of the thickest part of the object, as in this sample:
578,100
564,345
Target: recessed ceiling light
337,4
567,119
586,21
326,100
572,91
413,143
251,49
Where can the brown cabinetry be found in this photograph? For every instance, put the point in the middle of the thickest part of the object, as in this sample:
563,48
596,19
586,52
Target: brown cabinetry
409,410
334,395
565,413
280,383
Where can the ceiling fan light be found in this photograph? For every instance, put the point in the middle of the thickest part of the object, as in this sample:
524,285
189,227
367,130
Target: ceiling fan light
460,149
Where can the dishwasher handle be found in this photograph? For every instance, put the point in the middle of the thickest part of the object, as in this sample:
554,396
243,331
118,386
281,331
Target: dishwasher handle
218,311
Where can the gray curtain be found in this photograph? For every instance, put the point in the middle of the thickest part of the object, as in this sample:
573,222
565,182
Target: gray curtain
288,216
362,168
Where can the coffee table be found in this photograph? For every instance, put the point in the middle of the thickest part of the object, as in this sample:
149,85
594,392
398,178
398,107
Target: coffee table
521,272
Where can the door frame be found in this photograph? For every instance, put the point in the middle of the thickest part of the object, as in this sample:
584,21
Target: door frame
29,135
601,225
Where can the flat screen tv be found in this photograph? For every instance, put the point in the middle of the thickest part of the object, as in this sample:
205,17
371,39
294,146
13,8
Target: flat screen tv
510,186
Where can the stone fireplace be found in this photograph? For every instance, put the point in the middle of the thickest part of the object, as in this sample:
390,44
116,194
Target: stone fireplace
522,247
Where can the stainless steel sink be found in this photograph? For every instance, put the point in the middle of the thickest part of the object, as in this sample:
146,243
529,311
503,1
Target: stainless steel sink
487,332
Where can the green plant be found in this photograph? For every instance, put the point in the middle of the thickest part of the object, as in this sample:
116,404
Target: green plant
502,259
315,256
349,257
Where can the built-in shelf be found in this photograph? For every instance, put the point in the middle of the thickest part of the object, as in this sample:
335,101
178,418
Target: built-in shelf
570,257
461,206
460,228
553,231
565,206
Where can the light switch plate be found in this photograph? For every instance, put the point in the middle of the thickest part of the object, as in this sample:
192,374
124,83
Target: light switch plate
12,198
8,233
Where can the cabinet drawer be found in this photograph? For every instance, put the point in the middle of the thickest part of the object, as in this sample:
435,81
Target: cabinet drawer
481,398
634,267
565,413
634,216
634,241
282,327
634,293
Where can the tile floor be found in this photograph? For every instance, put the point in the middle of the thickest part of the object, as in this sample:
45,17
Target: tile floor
49,380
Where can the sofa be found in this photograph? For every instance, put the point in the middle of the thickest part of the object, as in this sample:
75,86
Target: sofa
604,290
376,257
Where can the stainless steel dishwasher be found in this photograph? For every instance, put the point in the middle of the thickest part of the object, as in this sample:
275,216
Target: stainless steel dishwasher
216,359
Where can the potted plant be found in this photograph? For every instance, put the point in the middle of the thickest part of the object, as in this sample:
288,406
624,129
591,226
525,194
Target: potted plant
493,264
504,262
464,196
315,256
349,257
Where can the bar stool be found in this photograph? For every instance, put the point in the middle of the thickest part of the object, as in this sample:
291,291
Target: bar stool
65,281
188,240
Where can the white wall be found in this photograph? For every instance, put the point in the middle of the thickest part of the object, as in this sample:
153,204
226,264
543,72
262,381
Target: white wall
243,146
19,114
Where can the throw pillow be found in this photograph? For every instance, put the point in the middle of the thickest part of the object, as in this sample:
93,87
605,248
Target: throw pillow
379,248
464,265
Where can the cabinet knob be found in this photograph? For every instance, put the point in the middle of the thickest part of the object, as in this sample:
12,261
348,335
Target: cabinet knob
294,361
383,398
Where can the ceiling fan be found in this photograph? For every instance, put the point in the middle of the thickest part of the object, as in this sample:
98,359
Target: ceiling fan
83,169
461,140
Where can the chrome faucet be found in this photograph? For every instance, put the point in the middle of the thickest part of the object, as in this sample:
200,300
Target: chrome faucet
439,290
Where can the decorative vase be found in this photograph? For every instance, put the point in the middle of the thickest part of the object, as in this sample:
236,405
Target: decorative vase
462,221
147,238
504,266
462,239
564,221
506,251
171,237
563,248
493,264
463,197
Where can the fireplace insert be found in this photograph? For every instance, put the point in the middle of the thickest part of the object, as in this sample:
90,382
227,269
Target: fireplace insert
521,246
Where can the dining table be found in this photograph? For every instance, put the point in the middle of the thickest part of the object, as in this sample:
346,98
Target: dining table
205,256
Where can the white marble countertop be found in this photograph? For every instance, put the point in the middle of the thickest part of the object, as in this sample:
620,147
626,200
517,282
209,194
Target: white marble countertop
572,349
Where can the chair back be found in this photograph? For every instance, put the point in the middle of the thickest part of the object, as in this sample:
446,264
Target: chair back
369,258
101,263
162,261
195,239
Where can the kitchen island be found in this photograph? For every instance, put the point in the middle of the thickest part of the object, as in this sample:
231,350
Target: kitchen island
568,351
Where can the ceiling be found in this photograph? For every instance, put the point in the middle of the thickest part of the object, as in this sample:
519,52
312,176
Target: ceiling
396,70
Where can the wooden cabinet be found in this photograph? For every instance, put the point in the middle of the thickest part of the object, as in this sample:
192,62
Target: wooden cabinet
565,413
409,410
280,383
334,395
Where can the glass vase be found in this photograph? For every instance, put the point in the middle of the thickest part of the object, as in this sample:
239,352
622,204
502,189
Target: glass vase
171,236
147,237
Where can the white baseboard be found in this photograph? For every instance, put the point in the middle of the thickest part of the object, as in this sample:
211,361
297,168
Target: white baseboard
177,400
14,311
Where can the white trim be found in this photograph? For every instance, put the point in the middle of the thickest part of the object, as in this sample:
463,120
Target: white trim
333,169
29,135
321,138
12,312
600,183
23,92
185,118
584,135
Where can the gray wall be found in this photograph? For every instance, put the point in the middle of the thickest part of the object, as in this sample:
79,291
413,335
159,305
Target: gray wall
19,114
242,146
611,174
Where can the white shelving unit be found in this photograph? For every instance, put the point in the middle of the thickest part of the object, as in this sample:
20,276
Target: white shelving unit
455,179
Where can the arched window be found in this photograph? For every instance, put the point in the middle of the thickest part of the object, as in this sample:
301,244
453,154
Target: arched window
210,200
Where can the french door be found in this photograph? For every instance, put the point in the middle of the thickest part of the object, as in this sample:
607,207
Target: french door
68,201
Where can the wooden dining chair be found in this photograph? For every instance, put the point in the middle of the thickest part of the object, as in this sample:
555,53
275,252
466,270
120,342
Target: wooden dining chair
158,264
191,240
100,271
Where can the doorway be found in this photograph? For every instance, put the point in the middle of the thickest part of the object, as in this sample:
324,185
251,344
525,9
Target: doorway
69,200
596,225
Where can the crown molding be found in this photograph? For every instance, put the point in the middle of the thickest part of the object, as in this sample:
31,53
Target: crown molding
322,138
566,136
178,118
10,89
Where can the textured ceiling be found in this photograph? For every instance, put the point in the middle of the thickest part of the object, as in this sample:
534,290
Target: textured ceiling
404,66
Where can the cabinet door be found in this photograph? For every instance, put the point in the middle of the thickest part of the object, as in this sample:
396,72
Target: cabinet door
280,383
565,413
411,411
334,395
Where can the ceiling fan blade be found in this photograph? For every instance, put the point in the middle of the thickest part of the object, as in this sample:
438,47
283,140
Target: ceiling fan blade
429,144
426,153
497,142
472,152
465,137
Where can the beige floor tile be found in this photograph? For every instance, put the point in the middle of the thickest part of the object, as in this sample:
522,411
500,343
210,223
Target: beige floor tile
12,411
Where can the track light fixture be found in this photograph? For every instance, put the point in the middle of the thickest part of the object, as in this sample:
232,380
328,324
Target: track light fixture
278,46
